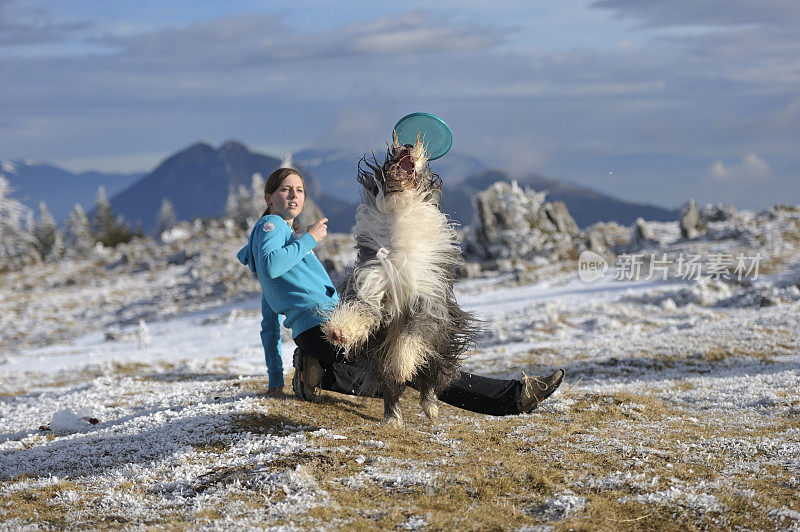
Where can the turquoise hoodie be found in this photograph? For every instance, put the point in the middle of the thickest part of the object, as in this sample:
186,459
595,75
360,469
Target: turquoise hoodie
293,283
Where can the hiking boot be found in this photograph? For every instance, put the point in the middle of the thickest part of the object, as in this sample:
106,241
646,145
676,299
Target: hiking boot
307,376
274,392
537,389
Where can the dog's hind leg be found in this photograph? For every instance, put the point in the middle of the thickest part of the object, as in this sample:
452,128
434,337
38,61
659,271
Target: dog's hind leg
409,353
392,415
429,404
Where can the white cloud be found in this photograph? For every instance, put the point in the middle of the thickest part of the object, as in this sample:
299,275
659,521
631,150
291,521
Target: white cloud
751,168
659,91
256,40
416,33
707,13
22,24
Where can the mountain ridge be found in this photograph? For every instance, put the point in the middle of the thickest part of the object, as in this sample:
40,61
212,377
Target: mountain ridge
198,178
34,181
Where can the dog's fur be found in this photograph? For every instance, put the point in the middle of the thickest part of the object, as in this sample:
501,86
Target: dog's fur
397,311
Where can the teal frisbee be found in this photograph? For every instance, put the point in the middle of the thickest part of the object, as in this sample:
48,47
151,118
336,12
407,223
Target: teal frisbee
435,135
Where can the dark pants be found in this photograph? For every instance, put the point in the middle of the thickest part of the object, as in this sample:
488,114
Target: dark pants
496,397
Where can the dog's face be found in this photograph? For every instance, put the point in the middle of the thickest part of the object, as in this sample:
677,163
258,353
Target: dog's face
403,168
405,171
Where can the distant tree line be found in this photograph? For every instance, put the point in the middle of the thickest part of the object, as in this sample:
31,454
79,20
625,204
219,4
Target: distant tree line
26,238
245,206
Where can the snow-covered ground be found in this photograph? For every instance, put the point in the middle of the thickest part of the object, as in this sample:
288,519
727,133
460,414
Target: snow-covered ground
680,408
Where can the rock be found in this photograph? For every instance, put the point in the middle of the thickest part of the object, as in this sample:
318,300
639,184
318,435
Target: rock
721,212
470,270
766,301
513,223
691,225
642,234
141,266
596,242
178,258
779,210
119,262
558,214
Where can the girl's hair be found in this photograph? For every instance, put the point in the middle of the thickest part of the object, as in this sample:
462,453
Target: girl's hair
276,178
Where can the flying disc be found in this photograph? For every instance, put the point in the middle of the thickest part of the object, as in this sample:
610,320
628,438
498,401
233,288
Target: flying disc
431,130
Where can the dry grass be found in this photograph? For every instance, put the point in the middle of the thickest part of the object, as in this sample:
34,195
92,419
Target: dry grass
721,353
472,472
501,475
38,504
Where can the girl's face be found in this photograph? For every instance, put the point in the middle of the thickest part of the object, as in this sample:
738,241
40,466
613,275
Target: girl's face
287,201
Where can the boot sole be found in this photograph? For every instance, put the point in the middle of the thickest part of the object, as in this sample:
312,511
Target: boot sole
297,383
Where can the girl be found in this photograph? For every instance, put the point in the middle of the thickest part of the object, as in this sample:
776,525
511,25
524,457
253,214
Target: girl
295,284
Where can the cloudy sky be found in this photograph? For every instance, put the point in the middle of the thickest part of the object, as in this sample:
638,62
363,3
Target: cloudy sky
653,101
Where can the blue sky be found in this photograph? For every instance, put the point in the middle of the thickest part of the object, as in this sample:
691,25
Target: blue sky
653,101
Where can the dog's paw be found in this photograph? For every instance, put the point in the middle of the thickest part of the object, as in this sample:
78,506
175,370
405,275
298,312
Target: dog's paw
336,336
349,326
429,405
393,420
342,336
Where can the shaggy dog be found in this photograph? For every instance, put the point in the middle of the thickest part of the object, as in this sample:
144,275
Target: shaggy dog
397,311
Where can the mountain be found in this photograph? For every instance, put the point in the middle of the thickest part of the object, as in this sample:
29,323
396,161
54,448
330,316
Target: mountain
197,181
34,182
585,205
336,169
463,176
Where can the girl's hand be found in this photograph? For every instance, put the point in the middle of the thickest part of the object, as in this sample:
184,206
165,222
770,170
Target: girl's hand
319,230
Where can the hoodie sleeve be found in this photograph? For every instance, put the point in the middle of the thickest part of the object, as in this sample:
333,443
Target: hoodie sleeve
274,252
271,340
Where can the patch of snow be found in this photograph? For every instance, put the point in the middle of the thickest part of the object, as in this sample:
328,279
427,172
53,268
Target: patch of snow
784,514
562,506
414,522
391,474
65,421
175,234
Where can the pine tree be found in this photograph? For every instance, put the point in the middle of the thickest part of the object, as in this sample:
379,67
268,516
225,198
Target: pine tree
103,218
78,237
166,216
138,228
49,241
238,205
244,200
257,203
232,207
108,229
17,243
